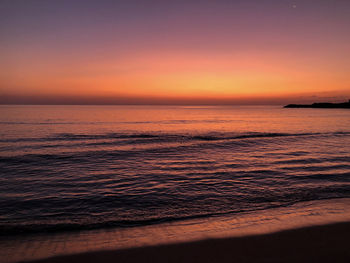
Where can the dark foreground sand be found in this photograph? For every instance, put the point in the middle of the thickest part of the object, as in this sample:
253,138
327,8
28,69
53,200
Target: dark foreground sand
328,243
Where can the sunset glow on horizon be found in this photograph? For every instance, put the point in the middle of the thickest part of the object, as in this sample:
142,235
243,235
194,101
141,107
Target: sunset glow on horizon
181,52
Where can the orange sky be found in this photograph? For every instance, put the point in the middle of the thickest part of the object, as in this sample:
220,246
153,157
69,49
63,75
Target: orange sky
259,53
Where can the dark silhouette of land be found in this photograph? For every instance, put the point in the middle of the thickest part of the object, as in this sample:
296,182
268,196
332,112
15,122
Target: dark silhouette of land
323,105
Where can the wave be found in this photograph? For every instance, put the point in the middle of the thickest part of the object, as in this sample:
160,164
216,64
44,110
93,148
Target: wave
166,136
67,146
268,202
145,178
59,227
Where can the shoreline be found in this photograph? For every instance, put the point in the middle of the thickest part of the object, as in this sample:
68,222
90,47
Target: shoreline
244,225
324,243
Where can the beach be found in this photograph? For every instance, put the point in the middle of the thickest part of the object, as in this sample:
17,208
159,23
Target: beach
277,234
174,131
135,179
326,243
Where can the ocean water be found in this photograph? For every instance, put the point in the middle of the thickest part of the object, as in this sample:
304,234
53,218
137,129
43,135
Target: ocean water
68,168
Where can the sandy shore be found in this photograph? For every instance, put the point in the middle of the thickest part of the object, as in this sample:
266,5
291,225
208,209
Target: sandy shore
327,243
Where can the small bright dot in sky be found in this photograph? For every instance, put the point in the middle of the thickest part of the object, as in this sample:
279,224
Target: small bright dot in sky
294,6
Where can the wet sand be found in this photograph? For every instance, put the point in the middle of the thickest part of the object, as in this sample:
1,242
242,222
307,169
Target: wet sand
326,243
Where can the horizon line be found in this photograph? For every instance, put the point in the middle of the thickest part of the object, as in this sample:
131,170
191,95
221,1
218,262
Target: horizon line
86,104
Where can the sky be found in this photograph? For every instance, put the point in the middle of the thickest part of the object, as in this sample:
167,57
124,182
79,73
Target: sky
174,52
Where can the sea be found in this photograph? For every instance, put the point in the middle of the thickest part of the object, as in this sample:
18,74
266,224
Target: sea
78,178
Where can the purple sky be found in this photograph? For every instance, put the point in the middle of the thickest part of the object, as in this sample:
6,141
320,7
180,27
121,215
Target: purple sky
173,51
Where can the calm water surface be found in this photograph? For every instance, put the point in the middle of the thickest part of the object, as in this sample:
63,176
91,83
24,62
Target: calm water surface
91,167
